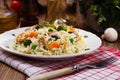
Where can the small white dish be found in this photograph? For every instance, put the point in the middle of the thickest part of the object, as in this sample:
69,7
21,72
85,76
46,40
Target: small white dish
6,39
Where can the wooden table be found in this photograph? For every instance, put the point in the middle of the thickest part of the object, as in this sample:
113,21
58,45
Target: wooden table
8,73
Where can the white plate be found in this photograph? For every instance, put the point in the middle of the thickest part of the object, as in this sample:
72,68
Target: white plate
6,39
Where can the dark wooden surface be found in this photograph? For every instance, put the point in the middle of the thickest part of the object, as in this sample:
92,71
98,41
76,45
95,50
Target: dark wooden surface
8,73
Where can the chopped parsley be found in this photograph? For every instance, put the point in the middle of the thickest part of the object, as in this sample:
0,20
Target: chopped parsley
71,40
51,22
34,46
87,49
13,34
39,26
7,46
85,36
27,42
45,23
50,30
61,28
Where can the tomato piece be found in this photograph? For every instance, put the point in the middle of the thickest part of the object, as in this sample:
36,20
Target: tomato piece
16,5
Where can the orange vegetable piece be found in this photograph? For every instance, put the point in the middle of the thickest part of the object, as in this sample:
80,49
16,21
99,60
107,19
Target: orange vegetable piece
71,28
54,45
32,34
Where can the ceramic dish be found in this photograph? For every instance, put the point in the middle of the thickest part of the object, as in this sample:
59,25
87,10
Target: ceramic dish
6,39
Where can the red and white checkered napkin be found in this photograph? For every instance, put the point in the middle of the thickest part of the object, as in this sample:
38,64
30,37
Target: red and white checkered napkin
32,67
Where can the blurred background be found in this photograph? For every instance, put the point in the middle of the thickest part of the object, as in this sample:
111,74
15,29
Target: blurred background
96,15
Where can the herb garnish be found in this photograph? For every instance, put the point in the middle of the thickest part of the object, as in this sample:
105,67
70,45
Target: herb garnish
39,26
7,46
61,28
71,40
34,46
85,36
51,22
27,42
50,30
87,49
13,34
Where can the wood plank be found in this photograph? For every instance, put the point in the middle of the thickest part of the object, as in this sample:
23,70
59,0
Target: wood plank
115,44
8,73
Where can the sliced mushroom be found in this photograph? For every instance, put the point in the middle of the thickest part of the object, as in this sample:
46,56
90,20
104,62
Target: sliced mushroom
44,42
60,21
54,35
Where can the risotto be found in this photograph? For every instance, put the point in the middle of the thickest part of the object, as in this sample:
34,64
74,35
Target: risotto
50,38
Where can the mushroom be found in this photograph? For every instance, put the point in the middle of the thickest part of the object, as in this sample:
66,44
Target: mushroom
54,35
60,21
110,34
44,42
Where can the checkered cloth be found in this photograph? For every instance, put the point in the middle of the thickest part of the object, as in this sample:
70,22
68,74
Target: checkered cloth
32,67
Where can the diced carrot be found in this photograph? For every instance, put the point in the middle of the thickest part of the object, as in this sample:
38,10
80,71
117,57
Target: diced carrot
32,34
71,28
54,45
